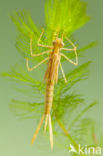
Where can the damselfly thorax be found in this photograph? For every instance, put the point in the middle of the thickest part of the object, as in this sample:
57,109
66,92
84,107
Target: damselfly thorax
54,61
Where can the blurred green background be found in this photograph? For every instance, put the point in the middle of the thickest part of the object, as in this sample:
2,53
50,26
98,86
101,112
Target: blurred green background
15,135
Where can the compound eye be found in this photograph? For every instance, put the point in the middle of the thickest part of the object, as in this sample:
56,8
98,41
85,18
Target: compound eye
54,42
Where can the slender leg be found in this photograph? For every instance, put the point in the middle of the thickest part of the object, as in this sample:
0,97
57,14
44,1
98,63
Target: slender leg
40,45
63,73
70,42
75,51
45,52
68,59
30,69
66,49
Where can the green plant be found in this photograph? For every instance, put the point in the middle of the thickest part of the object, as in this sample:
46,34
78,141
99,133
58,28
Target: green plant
61,16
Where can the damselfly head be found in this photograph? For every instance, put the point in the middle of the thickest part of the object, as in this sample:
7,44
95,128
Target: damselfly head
58,42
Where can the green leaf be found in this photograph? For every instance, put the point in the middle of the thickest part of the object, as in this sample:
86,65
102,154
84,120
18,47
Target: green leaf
65,15
82,113
24,109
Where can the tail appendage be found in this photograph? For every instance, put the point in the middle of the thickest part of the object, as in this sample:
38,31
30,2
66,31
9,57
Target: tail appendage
47,120
46,115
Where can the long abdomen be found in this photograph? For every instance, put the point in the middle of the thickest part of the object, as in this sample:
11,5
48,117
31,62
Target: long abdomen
49,97
51,76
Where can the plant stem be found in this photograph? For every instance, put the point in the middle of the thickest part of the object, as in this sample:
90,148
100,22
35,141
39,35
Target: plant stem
68,135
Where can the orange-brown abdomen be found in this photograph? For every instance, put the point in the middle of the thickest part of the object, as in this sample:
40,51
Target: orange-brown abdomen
49,97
